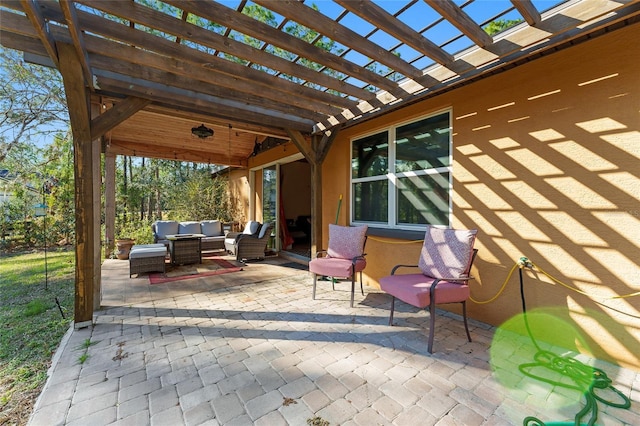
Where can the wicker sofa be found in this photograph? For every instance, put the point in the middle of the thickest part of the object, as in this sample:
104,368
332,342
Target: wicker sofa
211,229
250,243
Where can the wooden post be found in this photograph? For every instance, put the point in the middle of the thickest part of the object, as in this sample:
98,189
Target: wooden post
86,243
315,153
110,203
316,209
96,178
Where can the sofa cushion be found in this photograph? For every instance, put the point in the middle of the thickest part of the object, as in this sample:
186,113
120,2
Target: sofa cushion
166,227
147,250
211,228
346,242
189,228
251,227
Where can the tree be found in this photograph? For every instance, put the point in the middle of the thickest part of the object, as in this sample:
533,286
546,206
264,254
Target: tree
499,25
32,102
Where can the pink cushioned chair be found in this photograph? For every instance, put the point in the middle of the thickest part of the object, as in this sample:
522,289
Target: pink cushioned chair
344,257
445,263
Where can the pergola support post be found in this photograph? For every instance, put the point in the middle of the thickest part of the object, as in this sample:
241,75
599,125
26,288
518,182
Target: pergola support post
316,209
87,273
109,203
315,153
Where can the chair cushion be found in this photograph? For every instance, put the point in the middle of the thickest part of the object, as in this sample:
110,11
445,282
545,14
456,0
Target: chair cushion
446,253
251,227
166,227
335,267
211,228
414,289
189,228
346,242
263,230
148,250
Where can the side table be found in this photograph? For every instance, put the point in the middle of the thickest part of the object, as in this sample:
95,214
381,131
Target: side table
185,248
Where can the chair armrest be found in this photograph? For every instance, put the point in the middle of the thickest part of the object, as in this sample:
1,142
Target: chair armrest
356,258
242,236
463,278
321,253
395,268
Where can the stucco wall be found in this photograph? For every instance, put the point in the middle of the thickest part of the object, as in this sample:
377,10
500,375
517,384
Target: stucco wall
545,166
239,192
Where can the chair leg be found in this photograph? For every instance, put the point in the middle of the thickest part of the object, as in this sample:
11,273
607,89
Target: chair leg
464,317
393,303
361,288
353,287
432,328
315,278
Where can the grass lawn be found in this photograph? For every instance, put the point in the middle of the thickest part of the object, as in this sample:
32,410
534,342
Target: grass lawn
31,325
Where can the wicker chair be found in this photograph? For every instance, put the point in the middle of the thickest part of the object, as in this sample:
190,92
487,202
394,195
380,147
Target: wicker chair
247,246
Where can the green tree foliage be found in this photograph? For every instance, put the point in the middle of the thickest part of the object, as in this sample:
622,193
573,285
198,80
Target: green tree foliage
32,102
499,25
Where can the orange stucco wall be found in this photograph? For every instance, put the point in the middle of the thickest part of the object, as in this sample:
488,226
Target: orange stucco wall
546,159
239,192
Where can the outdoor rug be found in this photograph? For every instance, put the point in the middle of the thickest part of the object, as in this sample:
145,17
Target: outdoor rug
209,266
295,265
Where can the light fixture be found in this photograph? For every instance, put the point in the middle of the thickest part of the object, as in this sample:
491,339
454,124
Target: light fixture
202,131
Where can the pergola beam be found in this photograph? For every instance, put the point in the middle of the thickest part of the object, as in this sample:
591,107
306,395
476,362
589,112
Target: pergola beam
251,27
69,11
383,20
38,22
459,19
117,147
528,11
305,15
183,98
186,31
116,115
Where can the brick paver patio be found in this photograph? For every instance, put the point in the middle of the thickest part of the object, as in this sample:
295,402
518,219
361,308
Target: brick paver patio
252,348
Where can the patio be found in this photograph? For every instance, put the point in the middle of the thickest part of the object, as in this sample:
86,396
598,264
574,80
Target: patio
252,347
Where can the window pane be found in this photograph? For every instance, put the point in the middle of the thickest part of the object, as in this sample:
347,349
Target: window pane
370,156
269,187
370,201
423,145
423,199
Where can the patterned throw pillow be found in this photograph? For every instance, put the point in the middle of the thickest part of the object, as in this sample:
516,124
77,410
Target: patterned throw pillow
345,241
446,253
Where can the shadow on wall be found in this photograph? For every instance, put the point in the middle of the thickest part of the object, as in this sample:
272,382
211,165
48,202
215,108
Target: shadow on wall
550,172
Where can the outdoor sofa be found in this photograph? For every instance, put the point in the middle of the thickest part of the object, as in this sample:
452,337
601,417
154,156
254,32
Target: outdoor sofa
211,229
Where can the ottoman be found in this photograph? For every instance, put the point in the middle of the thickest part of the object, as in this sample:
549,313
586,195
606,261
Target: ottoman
147,258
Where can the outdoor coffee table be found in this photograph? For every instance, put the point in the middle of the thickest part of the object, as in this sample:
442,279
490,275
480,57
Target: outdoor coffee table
185,248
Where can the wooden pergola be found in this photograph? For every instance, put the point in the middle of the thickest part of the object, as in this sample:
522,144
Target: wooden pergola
138,79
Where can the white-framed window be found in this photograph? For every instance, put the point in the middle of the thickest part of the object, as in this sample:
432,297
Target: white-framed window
401,176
